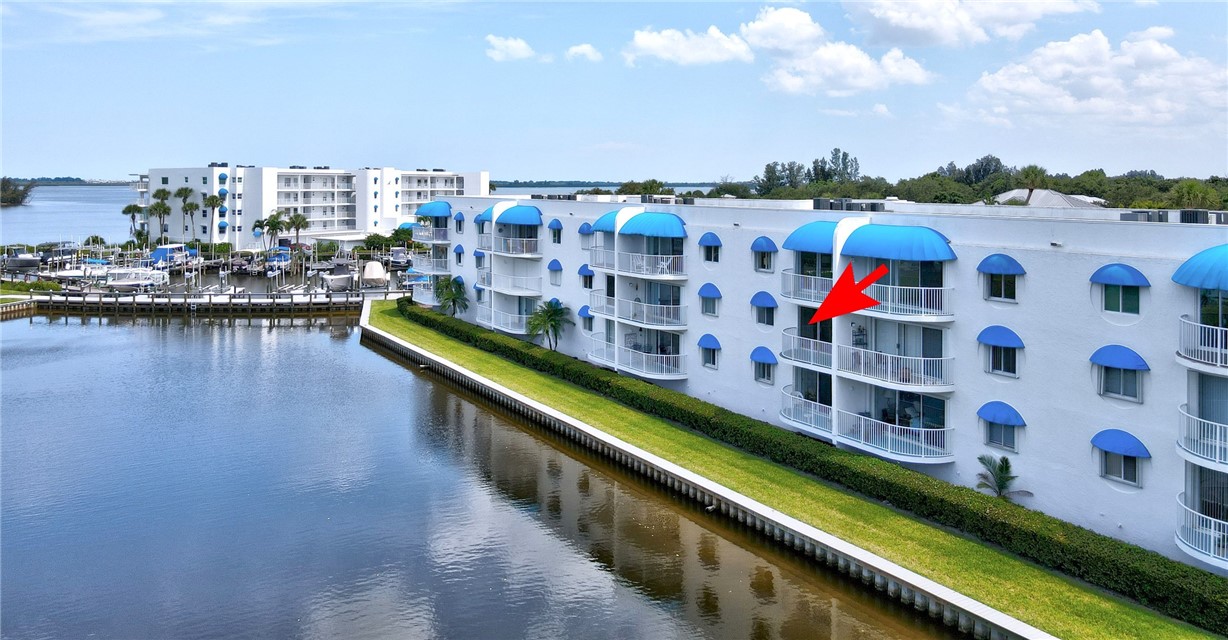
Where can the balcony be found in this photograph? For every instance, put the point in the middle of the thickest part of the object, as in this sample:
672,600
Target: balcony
1202,442
484,315
599,302
1202,343
902,444
430,234
424,293
652,265
806,351
484,277
599,258
517,285
509,322
1201,536
796,286
652,365
602,352
807,415
905,372
652,315
917,303
484,241
515,246
426,264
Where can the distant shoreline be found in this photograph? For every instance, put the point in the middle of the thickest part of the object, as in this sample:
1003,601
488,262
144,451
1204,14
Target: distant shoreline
74,182
514,184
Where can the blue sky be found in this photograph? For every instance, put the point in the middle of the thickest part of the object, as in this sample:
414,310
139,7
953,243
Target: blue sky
588,90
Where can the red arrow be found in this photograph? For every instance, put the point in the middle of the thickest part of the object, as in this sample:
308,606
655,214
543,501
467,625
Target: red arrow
846,295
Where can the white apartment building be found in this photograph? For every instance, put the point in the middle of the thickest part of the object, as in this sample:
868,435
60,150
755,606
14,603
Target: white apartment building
343,205
1091,350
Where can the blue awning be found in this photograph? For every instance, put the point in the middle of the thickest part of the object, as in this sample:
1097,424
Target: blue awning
554,301
812,237
222,193
1120,274
554,265
709,290
222,209
999,412
584,312
406,225
460,248
996,335
898,243
437,209
585,270
1120,442
459,217
763,355
478,287
605,223
485,216
222,225
709,239
1208,269
1000,264
763,299
709,341
763,244
1119,357
585,229
555,224
478,253
657,225
458,279
521,214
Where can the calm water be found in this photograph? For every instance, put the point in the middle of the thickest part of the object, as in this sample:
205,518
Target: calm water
194,479
68,213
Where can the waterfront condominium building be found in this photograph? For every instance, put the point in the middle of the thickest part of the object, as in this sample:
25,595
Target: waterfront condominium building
1088,345
343,205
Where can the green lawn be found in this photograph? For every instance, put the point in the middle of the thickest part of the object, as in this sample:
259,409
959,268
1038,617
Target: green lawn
1021,589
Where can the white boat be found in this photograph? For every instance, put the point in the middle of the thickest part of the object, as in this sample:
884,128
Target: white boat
15,260
398,259
126,279
373,275
167,256
341,279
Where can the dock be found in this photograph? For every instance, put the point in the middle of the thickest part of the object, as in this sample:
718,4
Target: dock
243,305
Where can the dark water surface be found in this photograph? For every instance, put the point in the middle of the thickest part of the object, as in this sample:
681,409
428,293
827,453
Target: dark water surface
193,479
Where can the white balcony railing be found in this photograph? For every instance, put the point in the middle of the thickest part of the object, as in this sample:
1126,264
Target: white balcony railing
909,370
424,293
601,350
430,234
515,246
599,302
1204,534
900,443
652,364
484,277
599,258
517,283
1203,438
910,301
426,264
796,408
484,315
1203,343
484,241
796,286
646,264
509,322
657,315
808,350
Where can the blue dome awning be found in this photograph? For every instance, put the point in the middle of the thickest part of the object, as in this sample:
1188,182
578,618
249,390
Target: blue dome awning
458,279
709,239
999,412
656,225
1120,274
709,290
222,225
812,237
763,244
459,217
485,216
1000,264
763,299
1208,269
605,223
555,265
222,193
478,287
898,243
1120,442
554,301
584,270
585,229
709,341
221,177
521,214
1119,357
460,248
257,233
763,355
996,335
406,225
478,253
555,224
435,210
222,209
584,312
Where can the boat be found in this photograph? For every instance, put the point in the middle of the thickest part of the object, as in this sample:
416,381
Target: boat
15,260
128,279
373,275
58,253
398,259
169,256
341,279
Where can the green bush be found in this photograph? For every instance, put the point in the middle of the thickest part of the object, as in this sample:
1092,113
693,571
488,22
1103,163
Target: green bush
1168,586
37,285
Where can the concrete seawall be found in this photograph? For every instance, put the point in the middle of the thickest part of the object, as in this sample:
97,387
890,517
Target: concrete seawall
955,609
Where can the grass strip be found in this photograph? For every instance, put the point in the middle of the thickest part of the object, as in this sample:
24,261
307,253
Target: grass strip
1042,598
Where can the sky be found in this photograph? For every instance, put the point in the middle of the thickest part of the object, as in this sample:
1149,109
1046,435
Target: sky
684,91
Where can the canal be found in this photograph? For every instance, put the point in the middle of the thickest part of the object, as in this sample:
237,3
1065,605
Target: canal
207,478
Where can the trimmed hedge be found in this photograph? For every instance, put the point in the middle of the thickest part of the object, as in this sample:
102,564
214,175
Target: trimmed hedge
1178,590
34,285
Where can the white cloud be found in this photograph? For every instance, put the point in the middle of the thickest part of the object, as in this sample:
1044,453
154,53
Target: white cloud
505,49
956,23
1141,82
586,51
842,69
688,47
785,29
882,111
839,113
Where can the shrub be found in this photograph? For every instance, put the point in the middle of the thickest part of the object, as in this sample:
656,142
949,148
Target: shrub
37,285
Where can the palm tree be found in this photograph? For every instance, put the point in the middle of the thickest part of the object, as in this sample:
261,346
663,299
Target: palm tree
161,210
211,203
450,295
259,226
274,225
549,320
189,210
997,477
296,223
132,211
1032,177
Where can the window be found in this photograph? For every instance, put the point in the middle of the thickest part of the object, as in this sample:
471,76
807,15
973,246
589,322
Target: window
460,226
1002,361
586,324
1001,286
1121,298
239,180
765,316
185,228
460,258
165,180
586,282
204,229
1115,466
712,254
239,196
764,372
1120,383
556,278
1000,435
478,294
185,179
709,306
763,261
710,357
556,236
479,261
239,229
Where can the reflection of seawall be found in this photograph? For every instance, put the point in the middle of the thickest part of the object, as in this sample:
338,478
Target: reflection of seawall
953,608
